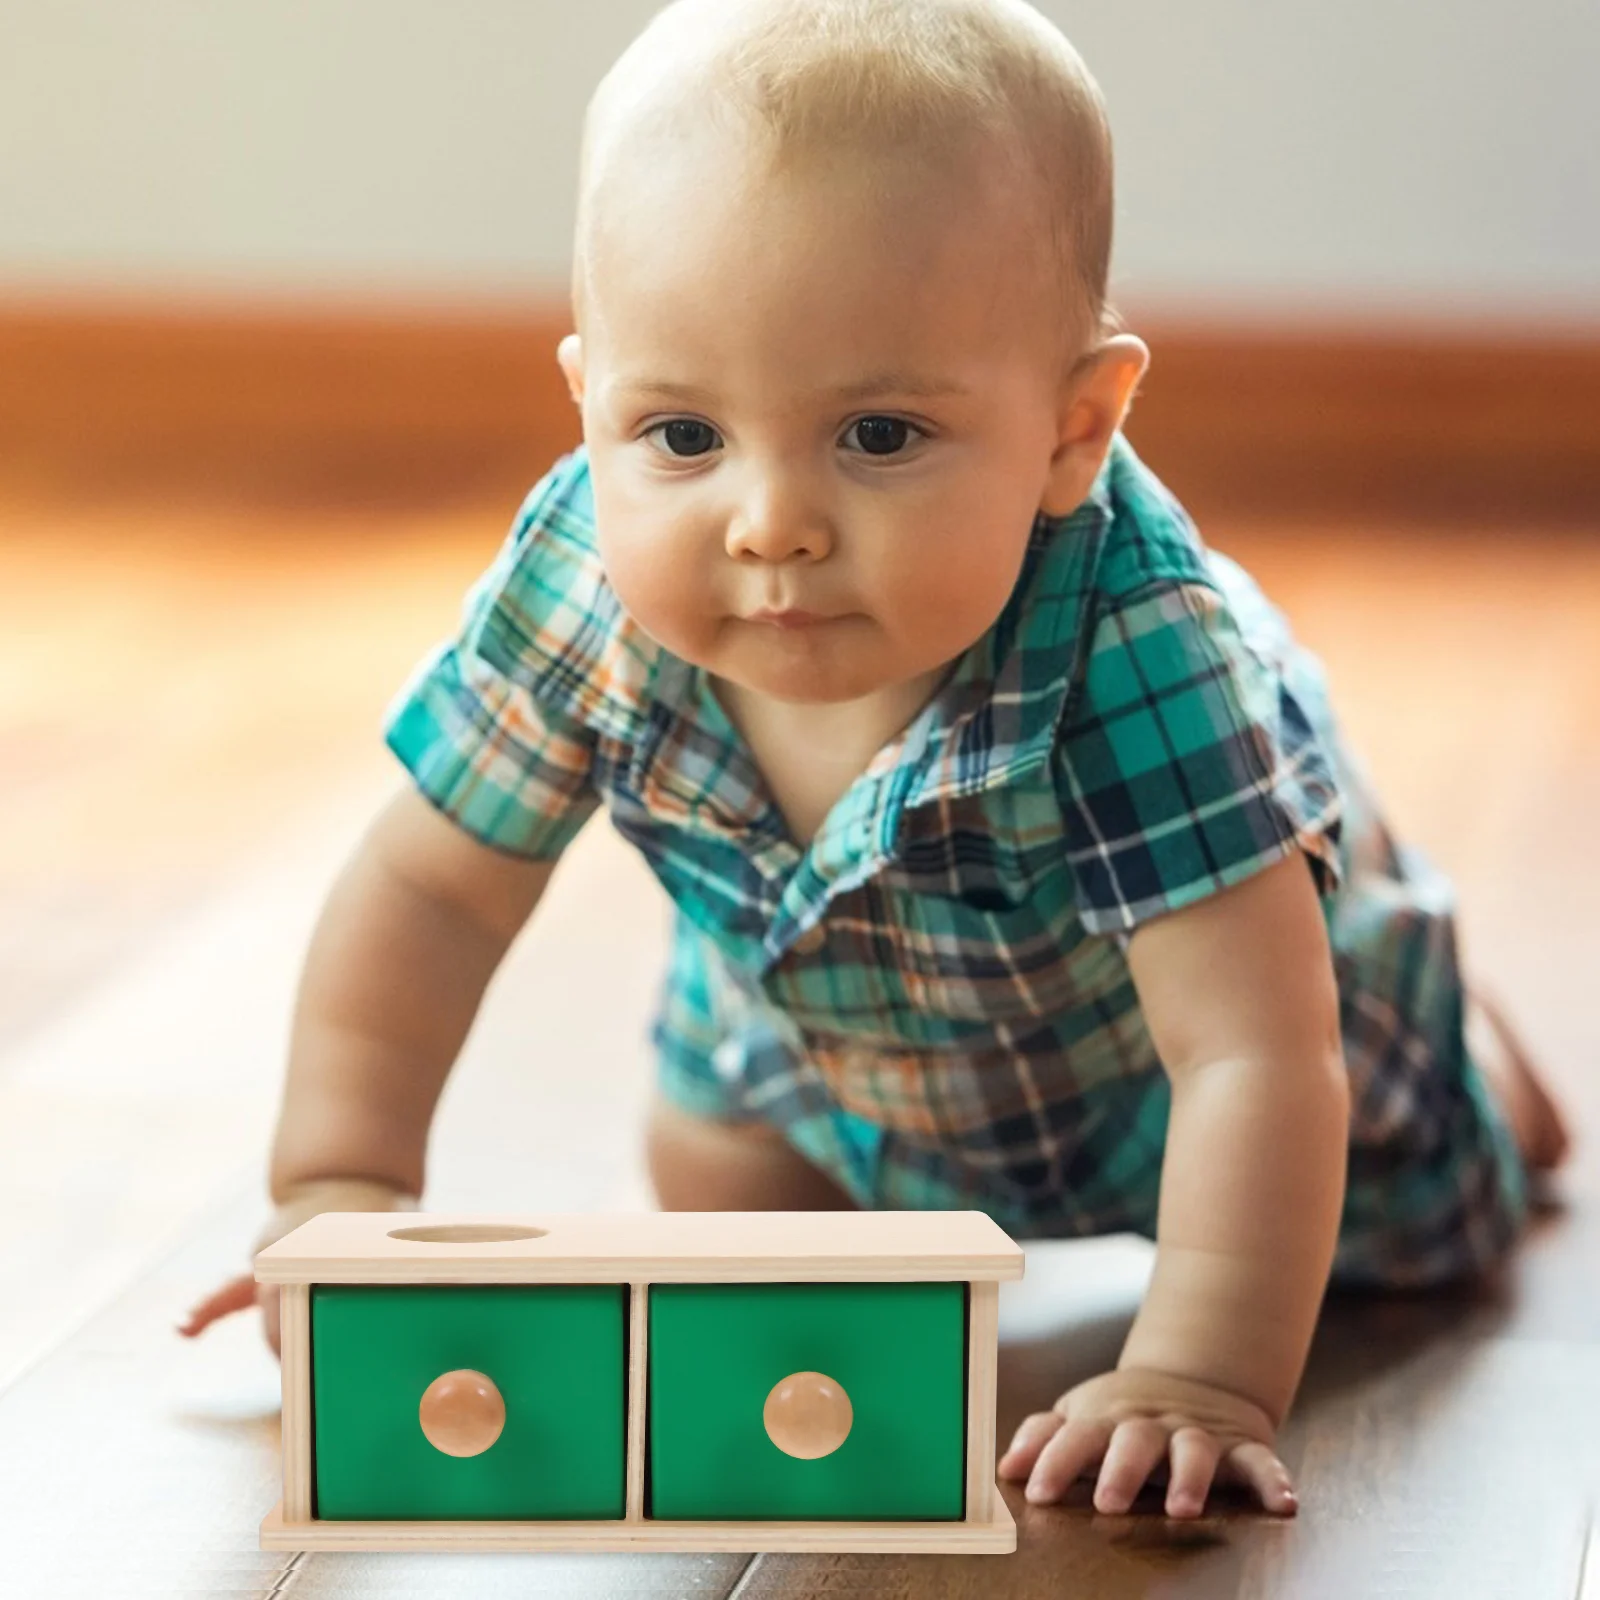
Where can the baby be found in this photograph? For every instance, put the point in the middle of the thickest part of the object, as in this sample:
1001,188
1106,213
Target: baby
1018,862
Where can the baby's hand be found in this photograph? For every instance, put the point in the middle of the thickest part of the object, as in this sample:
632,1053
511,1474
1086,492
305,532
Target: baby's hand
306,1201
1129,1421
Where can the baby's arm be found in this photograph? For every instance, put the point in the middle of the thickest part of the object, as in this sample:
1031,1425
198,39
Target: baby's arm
407,941
410,936
1243,1009
1239,995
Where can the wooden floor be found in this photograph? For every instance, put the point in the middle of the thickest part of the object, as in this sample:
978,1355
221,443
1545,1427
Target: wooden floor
189,698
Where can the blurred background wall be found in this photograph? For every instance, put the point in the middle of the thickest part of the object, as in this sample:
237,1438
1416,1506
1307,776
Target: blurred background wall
323,244
1428,157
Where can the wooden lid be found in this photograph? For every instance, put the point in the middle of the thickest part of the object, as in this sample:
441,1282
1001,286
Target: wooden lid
643,1247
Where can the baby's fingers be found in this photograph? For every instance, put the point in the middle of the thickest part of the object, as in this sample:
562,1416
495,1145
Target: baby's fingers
1069,1455
1026,1444
1194,1464
1137,1448
1257,1466
239,1294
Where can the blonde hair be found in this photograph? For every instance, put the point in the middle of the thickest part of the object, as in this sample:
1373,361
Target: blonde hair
926,75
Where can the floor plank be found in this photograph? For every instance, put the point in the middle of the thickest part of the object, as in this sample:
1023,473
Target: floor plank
122,1118
176,684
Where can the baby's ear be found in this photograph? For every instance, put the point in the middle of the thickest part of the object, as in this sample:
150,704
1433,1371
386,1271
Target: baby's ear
569,356
1094,400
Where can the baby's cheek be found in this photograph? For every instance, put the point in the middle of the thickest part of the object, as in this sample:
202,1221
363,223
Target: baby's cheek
664,589
946,599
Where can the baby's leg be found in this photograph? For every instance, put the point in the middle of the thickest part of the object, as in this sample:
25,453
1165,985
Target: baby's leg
1535,1118
697,1164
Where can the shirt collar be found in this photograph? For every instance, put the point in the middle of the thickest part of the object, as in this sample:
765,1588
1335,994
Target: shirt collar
996,716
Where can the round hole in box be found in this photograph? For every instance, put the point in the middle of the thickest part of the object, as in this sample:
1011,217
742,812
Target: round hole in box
468,1233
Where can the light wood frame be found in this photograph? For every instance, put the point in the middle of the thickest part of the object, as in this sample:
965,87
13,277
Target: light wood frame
639,1250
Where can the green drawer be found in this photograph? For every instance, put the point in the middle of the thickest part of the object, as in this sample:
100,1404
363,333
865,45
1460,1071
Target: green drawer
557,1355
897,1349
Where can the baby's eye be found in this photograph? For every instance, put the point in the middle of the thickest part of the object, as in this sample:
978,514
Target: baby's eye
882,436
693,437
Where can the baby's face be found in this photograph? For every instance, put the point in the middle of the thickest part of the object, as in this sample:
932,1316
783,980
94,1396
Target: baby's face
818,395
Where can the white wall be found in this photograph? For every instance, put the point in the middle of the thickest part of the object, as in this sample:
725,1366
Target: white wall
1377,155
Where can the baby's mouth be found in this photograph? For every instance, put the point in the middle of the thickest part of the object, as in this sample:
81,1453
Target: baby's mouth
788,617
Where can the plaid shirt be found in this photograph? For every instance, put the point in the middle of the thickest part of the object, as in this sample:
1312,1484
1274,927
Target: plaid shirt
932,999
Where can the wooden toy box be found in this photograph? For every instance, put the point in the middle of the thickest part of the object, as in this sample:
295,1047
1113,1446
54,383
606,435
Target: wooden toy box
743,1381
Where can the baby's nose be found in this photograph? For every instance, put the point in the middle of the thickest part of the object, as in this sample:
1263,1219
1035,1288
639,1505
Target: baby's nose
778,537
778,519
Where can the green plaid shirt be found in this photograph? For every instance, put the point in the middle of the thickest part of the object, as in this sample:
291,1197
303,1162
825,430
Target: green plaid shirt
932,999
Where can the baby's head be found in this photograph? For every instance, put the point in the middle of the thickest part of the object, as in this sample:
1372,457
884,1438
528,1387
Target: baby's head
839,285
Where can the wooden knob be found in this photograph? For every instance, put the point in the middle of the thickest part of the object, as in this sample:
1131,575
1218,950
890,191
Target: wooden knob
462,1412
807,1415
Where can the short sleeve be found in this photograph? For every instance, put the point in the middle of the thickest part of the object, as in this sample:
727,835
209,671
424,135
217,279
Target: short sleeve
1185,762
511,766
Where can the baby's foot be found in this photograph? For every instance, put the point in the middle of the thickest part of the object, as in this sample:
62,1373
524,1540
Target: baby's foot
1535,1118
